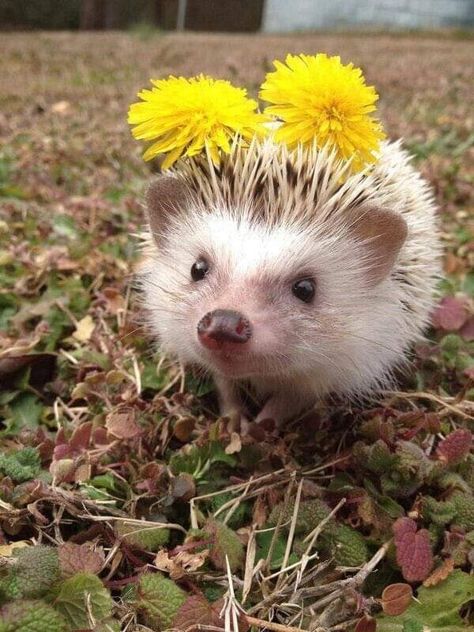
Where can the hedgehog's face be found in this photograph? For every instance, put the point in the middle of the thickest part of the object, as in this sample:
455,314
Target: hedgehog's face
241,299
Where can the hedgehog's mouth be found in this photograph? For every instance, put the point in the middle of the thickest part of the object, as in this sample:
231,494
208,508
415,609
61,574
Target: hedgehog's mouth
232,363
237,363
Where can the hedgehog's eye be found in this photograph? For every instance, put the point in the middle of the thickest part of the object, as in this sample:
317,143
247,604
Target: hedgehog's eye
304,290
199,270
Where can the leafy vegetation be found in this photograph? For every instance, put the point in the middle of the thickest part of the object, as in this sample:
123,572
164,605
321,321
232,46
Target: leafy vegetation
125,501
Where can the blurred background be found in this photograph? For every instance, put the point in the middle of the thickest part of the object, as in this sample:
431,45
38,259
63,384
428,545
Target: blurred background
236,15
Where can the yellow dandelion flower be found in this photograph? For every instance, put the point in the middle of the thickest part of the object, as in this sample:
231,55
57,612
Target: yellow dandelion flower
184,116
318,99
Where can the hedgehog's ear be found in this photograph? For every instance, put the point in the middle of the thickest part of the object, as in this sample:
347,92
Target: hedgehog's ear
382,234
167,196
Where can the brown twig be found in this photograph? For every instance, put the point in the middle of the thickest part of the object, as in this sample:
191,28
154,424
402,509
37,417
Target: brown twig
275,627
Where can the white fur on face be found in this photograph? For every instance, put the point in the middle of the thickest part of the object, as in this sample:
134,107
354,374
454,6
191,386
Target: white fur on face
346,341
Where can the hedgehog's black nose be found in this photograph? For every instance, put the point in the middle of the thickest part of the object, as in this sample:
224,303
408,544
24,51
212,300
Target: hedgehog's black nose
222,326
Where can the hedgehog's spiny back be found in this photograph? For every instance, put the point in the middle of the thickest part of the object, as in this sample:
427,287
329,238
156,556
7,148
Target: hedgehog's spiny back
277,186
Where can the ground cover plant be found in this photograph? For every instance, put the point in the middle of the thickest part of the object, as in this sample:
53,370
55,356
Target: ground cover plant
125,502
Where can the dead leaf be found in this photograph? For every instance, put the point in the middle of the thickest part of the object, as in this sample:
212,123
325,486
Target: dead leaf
260,512
114,300
84,329
183,487
122,424
452,264
61,107
440,573
82,472
115,377
62,470
235,444
6,550
181,564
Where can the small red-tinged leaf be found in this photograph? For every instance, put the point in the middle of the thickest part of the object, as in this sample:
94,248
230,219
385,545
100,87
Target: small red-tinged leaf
366,624
99,436
396,598
122,424
403,526
451,314
455,447
183,487
81,436
80,558
414,554
467,330
440,573
195,612
183,428
432,423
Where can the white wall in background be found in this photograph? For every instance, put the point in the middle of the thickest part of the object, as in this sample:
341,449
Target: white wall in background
303,15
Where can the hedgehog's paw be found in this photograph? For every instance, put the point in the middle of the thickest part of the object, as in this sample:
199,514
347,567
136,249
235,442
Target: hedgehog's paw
230,404
238,420
281,407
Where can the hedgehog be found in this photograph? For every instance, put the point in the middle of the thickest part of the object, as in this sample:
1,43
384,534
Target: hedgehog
287,273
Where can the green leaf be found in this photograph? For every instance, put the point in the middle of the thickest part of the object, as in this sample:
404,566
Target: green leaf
22,465
468,284
385,503
217,454
81,598
65,226
225,544
436,609
24,412
30,616
33,572
150,377
412,626
160,599
199,386
198,460
8,307
264,540
348,546
143,536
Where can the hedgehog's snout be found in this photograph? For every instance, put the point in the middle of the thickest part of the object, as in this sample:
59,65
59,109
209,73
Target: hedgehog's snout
222,326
